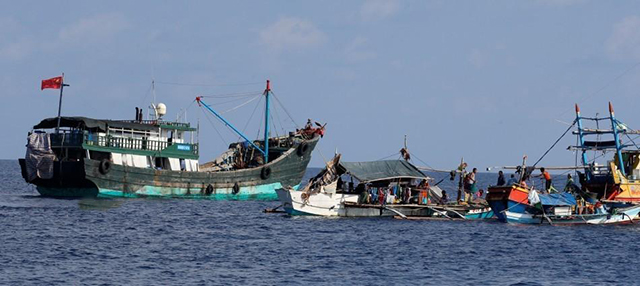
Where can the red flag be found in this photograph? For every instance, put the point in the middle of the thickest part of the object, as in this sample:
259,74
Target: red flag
55,83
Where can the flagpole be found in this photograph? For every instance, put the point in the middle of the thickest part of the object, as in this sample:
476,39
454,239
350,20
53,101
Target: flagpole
62,85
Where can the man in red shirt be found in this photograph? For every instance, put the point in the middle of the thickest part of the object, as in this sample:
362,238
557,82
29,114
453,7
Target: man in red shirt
547,178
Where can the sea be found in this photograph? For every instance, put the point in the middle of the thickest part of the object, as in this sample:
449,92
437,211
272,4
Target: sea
47,241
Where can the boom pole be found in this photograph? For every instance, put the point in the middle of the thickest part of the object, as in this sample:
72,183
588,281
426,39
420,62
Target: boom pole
585,161
614,127
200,102
266,123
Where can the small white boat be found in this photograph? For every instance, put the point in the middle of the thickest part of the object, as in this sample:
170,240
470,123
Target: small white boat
327,195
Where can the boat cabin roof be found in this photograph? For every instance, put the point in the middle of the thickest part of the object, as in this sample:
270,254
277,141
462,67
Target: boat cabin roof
381,170
103,124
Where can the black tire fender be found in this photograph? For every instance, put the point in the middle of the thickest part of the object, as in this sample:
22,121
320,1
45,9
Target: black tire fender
303,148
209,190
236,189
105,166
265,173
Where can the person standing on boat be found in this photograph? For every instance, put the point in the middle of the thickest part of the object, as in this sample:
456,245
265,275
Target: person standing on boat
547,179
501,181
512,180
470,185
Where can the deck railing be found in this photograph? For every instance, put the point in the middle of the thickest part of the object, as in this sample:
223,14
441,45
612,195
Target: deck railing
76,139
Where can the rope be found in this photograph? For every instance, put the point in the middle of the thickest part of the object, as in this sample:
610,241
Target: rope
387,157
206,84
634,143
206,115
146,94
251,117
554,144
604,86
285,110
275,110
241,105
232,95
423,162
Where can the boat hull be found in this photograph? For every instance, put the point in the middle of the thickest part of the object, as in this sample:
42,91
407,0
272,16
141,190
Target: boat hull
321,204
85,179
623,216
507,199
346,205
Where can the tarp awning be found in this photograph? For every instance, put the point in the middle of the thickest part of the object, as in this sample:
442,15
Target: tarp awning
381,170
561,199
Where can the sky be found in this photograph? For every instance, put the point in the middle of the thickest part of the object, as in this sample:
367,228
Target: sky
487,81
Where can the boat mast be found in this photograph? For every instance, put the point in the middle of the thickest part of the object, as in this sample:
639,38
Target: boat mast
60,104
266,123
614,126
585,161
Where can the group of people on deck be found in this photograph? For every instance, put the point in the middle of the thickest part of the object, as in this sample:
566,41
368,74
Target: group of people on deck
386,195
544,174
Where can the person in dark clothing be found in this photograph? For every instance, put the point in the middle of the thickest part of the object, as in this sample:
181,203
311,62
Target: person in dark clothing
501,180
444,199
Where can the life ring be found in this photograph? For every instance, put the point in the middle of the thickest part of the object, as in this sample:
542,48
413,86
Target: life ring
105,166
265,173
209,190
304,196
303,148
236,189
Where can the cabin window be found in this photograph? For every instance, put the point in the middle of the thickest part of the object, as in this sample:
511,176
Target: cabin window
99,155
183,165
162,163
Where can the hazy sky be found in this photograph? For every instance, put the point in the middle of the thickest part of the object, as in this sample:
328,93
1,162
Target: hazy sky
487,80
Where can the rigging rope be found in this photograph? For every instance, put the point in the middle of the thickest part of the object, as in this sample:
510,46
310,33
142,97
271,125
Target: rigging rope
241,105
554,144
387,157
206,115
285,110
275,110
251,117
230,95
585,98
206,84
423,162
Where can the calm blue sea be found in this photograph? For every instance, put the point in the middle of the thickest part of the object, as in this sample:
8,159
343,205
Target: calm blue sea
175,242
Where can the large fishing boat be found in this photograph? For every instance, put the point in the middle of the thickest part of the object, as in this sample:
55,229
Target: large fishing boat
618,179
85,157
608,193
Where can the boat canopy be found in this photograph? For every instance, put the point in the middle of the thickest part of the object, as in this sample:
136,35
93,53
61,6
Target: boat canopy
381,170
103,124
560,199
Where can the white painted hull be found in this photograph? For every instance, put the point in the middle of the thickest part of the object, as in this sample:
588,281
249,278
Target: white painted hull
320,204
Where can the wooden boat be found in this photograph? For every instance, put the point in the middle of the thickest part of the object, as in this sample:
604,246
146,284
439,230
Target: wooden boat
85,157
521,205
325,196
617,180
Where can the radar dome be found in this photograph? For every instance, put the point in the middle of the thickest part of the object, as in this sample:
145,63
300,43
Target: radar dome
161,109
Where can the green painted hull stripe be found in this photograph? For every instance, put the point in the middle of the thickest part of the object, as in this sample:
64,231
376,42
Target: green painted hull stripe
261,192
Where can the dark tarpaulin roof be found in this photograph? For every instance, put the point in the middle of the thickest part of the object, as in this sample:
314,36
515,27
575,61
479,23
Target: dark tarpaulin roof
90,123
380,170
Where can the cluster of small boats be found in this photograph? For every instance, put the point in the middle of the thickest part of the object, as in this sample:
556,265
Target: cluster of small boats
86,157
